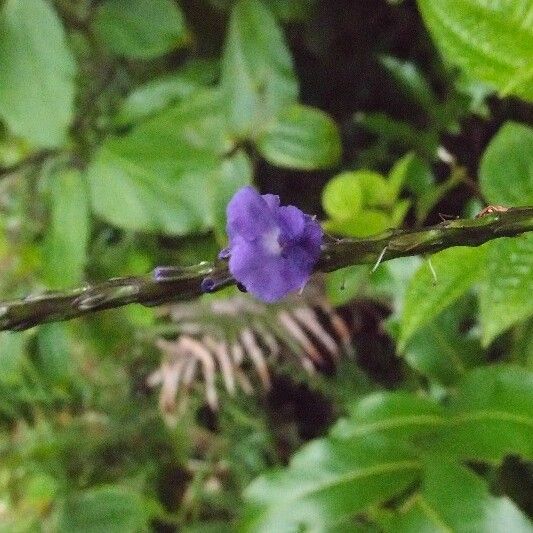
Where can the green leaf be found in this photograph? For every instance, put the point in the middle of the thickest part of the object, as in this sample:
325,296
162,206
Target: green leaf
113,509
491,416
140,29
440,350
257,76
437,507
506,170
67,236
362,203
37,80
457,269
344,284
348,193
491,41
367,222
326,482
377,191
156,94
342,197
399,415
301,137
505,296
162,175
386,442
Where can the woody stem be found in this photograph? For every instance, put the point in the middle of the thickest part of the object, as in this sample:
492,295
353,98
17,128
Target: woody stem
186,283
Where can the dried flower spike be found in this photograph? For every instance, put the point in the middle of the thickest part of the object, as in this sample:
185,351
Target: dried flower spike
272,249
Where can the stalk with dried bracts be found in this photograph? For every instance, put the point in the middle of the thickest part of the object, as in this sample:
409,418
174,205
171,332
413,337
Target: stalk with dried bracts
170,284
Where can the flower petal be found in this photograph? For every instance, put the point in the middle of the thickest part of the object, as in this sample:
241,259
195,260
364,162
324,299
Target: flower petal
248,215
268,277
312,237
272,201
272,249
292,222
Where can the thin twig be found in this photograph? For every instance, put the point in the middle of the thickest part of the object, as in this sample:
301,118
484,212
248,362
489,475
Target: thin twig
186,283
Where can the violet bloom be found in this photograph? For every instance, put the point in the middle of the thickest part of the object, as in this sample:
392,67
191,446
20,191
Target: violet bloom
272,249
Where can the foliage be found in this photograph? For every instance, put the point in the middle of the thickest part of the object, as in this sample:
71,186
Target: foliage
392,439
490,41
126,127
37,87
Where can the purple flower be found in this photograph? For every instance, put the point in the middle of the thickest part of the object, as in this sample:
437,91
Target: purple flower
272,249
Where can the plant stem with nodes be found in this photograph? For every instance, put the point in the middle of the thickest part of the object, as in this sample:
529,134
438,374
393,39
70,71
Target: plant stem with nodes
169,284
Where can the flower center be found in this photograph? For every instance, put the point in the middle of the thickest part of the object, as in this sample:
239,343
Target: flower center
271,243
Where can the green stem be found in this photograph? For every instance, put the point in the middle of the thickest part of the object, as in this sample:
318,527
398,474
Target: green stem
186,283
401,243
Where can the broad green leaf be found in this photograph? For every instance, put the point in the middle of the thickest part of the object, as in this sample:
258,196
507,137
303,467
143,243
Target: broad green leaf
491,41
161,176
362,203
327,481
140,29
367,222
112,509
342,197
258,79
438,508
491,416
390,281
344,284
507,289
376,189
440,350
348,193
457,269
399,415
67,236
301,137
506,170
156,94
37,73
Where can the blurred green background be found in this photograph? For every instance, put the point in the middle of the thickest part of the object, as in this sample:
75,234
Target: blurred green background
377,401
